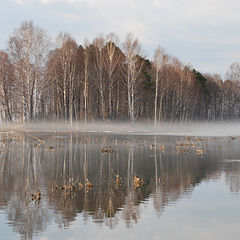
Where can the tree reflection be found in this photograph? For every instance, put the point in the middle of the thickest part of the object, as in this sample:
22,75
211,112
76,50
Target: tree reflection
28,165
232,170
21,175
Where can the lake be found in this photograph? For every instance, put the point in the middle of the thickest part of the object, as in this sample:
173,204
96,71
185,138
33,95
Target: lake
63,185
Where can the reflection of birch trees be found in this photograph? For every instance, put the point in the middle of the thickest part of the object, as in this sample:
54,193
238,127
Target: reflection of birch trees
157,193
131,211
23,177
27,167
232,176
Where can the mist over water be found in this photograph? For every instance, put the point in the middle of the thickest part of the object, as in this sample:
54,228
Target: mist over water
147,128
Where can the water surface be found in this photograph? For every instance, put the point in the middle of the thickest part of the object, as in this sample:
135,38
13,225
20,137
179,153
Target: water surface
189,186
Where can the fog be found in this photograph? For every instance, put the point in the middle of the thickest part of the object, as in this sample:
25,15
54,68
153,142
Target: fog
140,128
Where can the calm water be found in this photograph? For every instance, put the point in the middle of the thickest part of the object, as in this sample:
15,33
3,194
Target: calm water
189,187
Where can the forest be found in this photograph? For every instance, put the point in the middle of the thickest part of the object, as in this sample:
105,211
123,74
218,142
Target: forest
107,80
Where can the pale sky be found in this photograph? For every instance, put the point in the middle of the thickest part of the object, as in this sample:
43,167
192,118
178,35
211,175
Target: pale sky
203,33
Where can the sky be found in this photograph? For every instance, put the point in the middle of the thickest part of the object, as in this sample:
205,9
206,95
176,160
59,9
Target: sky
202,33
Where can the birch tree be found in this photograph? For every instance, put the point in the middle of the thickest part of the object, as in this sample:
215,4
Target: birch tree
86,76
67,61
157,64
6,85
233,73
112,63
133,67
27,48
163,85
99,43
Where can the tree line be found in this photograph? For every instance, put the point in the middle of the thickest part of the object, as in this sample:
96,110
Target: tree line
106,80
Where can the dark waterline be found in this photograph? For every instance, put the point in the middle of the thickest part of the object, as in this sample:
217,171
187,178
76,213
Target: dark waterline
190,186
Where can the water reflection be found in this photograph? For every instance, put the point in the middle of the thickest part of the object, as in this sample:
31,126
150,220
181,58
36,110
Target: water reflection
171,167
233,175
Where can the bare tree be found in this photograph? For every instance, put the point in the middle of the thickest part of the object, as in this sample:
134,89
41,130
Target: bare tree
99,43
6,85
86,76
103,80
133,67
157,64
112,63
67,61
27,48
233,73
